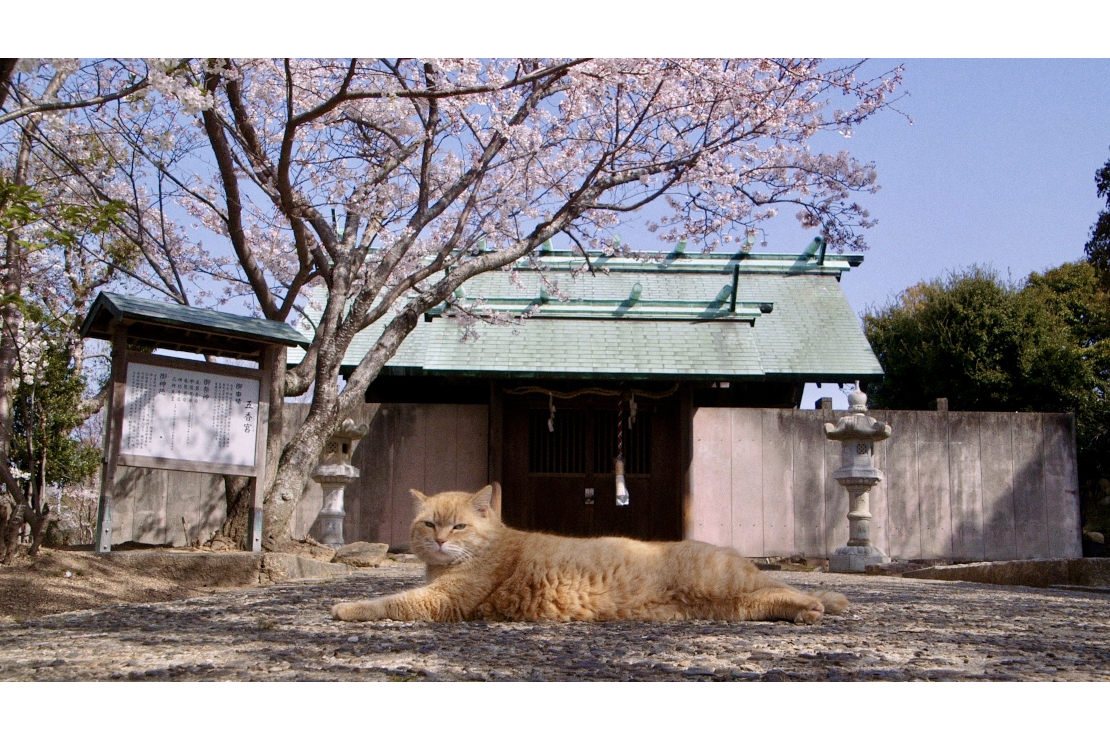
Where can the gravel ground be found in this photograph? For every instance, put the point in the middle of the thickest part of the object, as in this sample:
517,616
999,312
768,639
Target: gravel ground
896,630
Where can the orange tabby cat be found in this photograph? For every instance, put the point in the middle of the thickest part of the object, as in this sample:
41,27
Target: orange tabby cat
480,569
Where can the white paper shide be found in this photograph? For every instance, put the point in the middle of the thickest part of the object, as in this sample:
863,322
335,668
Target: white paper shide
188,415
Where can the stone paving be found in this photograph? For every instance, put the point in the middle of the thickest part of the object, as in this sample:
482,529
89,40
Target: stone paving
896,630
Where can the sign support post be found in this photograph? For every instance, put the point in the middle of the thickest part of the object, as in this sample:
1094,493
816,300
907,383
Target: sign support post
258,482
113,420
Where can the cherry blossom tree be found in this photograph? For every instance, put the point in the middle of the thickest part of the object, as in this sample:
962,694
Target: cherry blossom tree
64,237
394,181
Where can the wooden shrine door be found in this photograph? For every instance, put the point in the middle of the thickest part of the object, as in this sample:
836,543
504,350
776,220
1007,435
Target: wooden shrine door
560,479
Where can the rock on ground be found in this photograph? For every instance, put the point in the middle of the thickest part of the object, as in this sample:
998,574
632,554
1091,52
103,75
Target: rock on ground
362,554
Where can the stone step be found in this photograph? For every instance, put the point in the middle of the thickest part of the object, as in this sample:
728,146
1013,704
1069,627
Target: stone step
1043,573
227,569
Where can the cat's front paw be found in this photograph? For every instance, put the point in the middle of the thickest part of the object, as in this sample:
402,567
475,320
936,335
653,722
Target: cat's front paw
357,611
343,611
810,613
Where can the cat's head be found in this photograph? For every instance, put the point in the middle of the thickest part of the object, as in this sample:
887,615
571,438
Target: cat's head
452,526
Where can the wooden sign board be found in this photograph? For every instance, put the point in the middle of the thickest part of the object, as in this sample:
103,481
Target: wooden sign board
177,414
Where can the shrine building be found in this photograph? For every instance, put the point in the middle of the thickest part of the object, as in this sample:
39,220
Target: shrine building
618,358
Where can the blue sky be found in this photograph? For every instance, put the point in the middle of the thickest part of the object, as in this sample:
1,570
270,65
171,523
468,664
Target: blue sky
997,169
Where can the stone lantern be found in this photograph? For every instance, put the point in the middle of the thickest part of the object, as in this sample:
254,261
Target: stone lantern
857,434
334,473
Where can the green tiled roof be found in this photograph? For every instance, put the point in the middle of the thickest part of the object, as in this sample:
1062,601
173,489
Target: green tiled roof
790,321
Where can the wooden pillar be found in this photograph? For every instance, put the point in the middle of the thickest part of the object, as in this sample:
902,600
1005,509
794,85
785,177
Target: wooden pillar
495,437
113,423
686,452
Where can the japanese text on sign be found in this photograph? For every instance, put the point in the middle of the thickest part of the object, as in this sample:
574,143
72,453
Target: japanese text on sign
189,415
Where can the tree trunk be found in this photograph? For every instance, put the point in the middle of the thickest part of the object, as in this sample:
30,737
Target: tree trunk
7,71
294,468
39,523
329,407
302,453
9,331
237,496
10,533
7,510
9,324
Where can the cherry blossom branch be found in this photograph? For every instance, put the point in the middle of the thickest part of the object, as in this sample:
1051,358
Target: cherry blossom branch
58,105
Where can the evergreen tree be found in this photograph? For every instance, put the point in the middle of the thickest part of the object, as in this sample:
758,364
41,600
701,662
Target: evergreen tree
989,346
1098,247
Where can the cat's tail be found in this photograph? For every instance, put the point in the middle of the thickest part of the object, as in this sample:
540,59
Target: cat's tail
835,602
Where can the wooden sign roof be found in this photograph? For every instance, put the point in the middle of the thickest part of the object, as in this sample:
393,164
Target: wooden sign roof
162,325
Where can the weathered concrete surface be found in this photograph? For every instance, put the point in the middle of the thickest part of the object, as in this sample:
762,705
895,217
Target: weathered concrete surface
957,485
896,629
230,569
1037,573
896,568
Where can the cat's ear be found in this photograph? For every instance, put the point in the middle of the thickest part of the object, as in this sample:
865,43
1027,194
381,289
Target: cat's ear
481,501
495,501
418,499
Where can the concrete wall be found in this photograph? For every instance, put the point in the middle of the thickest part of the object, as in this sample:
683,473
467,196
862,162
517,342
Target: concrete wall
958,485
429,447
150,504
